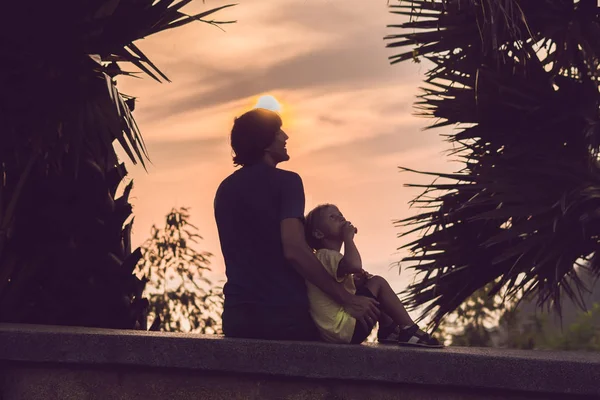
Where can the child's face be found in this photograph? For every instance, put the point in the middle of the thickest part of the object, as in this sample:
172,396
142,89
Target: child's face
331,222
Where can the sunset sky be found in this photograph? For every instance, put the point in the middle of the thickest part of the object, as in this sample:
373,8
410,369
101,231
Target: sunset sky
348,113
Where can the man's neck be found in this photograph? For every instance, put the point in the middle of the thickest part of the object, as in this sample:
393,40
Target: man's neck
268,160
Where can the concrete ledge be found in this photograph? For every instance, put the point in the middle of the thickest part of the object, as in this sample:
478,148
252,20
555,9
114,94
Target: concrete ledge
552,373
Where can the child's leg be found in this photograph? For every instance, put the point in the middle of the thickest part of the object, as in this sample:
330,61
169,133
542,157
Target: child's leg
385,320
388,329
408,333
389,301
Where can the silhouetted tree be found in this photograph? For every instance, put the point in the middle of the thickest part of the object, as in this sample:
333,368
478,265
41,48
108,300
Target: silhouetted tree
179,293
521,78
65,255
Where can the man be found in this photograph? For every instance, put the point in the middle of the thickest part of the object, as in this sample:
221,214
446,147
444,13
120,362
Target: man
259,210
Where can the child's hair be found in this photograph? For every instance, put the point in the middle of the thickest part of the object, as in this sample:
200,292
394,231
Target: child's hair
311,222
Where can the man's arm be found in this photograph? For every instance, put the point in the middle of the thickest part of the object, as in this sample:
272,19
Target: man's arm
297,251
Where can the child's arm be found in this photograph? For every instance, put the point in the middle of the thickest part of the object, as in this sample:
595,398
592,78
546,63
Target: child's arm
351,262
302,258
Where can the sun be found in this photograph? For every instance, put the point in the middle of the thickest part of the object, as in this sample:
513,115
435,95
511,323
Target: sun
268,102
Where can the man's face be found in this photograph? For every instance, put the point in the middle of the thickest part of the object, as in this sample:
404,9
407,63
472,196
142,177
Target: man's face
277,150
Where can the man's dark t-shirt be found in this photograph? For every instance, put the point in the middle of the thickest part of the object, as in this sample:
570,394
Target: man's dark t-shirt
264,295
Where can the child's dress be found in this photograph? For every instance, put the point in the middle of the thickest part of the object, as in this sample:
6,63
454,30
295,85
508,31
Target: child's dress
333,322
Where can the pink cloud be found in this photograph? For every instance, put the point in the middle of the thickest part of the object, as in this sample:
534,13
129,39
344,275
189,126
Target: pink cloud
349,115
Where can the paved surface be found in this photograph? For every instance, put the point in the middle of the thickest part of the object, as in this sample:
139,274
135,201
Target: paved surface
484,368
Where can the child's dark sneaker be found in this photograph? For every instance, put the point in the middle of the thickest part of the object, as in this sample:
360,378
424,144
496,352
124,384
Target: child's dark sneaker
413,336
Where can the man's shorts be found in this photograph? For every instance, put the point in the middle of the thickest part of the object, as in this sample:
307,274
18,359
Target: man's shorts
360,333
260,322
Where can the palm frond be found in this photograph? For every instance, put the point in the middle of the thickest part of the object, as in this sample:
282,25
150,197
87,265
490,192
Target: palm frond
63,235
522,212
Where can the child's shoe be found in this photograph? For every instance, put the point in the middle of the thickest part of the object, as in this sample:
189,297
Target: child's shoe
413,336
388,334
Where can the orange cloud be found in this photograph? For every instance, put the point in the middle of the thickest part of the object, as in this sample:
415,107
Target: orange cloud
348,113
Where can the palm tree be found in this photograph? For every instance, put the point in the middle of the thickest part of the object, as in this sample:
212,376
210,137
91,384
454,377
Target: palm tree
521,78
65,253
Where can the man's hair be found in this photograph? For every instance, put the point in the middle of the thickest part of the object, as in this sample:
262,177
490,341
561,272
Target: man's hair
311,223
252,133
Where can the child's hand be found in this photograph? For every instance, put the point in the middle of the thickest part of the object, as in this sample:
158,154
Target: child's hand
359,280
361,277
348,230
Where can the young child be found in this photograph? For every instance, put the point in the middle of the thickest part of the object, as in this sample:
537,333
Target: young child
326,231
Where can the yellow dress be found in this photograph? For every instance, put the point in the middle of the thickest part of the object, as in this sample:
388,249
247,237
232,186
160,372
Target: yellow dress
333,322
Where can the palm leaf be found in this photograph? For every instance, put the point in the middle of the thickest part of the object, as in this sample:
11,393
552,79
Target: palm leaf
63,236
521,212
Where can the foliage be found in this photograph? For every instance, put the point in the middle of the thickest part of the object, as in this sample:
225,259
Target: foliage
521,78
179,294
537,332
518,332
470,324
491,325
584,334
65,254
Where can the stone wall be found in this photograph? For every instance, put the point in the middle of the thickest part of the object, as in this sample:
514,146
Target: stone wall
46,362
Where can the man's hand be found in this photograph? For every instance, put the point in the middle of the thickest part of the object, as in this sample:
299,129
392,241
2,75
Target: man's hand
364,309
